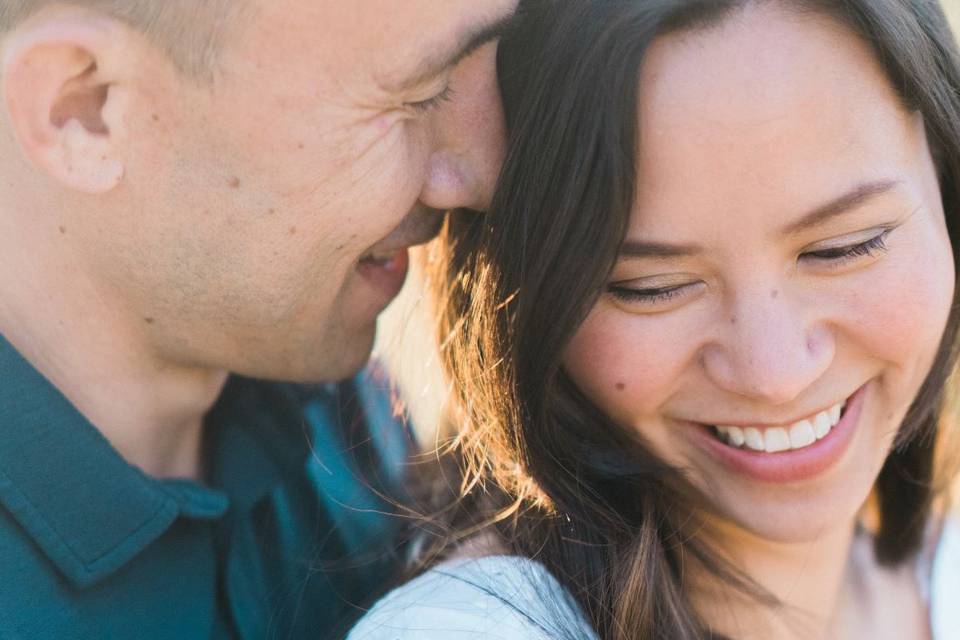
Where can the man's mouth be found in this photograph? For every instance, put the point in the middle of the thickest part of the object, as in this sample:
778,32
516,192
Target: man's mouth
385,265
776,438
415,229
386,271
383,260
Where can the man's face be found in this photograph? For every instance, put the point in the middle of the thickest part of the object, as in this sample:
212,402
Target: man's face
267,215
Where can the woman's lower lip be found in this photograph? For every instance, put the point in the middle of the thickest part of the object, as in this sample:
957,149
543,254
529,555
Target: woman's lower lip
794,465
386,276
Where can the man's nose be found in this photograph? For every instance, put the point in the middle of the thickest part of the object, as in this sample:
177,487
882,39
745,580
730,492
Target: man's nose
468,138
771,351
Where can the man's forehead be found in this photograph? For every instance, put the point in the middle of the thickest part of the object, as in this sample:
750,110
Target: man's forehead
442,41
364,47
402,43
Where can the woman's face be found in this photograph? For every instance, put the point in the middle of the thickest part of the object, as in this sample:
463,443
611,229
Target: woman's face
787,256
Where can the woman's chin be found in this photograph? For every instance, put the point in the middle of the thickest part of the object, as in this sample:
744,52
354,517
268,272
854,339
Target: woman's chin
795,515
802,524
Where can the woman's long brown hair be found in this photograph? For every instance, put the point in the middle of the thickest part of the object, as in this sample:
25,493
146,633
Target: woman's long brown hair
537,462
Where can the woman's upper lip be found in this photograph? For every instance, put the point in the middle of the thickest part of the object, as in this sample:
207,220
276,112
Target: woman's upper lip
767,424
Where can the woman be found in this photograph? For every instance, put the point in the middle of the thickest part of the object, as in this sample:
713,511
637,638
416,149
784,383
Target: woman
700,346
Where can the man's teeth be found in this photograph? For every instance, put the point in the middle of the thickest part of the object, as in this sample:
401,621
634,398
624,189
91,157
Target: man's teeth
381,260
798,435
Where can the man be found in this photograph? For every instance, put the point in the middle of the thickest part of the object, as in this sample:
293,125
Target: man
190,189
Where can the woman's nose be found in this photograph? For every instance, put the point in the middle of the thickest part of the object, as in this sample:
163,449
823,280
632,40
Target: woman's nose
771,351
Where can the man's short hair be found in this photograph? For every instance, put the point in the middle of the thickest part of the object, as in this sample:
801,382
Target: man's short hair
189,31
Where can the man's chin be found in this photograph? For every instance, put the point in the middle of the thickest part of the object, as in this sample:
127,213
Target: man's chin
348,366
315,365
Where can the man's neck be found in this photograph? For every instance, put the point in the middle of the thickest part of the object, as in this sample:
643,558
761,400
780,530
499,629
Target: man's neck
101,359
152,415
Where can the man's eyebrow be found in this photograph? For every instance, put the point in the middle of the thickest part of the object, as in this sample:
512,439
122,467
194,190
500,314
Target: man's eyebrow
437,64
859,195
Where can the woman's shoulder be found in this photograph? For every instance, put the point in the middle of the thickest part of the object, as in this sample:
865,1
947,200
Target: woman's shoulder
496,597
945,582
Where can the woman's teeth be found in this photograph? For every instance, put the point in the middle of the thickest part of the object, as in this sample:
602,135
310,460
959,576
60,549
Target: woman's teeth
798,435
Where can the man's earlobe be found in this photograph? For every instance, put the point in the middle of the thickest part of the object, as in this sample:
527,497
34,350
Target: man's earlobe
66,100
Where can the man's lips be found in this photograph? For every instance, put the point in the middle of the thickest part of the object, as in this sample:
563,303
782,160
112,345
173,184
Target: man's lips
413,231
386,274
383,260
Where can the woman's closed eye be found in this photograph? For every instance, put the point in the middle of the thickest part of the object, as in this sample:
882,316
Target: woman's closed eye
639,295
848,253
653,298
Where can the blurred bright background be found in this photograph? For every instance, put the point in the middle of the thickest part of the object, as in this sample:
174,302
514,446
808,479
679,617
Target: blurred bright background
406,345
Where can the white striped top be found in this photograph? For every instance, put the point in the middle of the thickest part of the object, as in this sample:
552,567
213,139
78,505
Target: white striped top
513,598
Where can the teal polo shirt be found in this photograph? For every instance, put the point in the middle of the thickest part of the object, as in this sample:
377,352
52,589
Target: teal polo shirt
289,536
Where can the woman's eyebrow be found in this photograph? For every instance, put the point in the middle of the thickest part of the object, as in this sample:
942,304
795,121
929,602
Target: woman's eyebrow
858,196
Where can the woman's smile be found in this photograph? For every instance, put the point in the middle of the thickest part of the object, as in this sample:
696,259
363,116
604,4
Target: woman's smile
790,452
798,434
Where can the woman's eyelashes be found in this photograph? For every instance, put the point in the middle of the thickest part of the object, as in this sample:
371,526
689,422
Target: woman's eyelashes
650,296
842,255
633,293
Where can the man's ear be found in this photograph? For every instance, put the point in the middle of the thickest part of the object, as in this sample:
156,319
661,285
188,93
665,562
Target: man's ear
67,96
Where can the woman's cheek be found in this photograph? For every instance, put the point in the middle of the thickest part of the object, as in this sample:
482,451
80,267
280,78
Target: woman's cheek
898,316
625,363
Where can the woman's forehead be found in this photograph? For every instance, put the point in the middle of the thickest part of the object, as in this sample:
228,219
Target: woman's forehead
768,113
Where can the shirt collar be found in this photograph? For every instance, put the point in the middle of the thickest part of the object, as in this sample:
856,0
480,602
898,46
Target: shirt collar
257,437
89,510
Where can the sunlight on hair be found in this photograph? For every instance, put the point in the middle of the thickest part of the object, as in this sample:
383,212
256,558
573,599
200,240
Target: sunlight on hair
406,344
948,445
